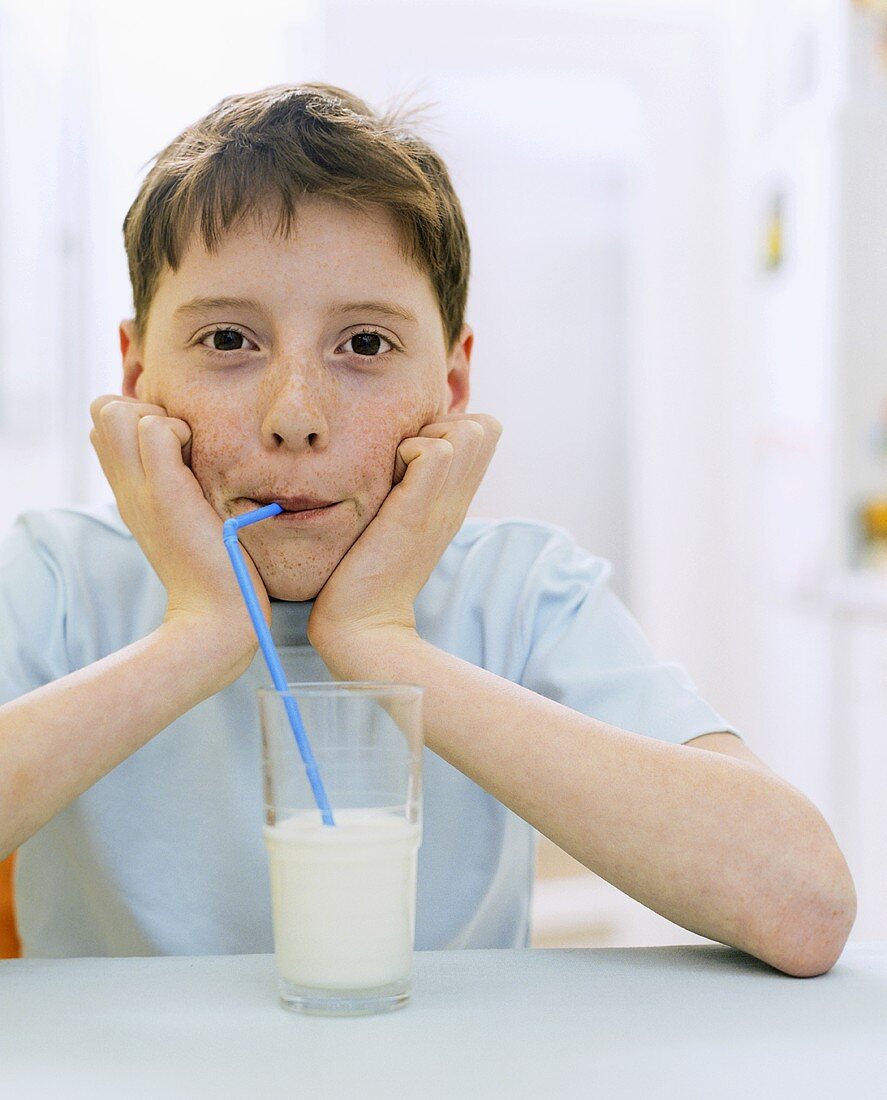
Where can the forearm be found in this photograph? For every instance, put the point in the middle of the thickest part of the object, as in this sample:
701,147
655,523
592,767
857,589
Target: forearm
714,844
58,740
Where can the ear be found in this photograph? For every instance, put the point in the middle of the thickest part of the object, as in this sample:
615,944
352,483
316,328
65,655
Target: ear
457,372
132,363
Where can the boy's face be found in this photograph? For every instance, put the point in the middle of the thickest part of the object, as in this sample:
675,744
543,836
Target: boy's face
288,400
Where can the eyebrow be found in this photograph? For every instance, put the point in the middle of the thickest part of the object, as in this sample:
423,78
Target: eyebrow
203,305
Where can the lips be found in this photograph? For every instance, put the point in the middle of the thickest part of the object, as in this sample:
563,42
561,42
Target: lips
295,504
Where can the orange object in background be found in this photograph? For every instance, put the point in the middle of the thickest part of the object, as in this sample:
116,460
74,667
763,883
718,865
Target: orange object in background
873,515
10,946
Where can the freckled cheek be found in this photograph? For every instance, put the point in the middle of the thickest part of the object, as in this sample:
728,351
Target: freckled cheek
382,436
370,435
217,439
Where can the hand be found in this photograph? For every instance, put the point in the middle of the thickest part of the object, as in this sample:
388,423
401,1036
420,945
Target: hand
437,474
145,456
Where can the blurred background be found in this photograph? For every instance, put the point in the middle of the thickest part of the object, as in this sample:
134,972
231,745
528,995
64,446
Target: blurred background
678,216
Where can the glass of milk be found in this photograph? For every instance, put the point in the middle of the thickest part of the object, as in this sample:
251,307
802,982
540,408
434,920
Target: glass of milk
343,896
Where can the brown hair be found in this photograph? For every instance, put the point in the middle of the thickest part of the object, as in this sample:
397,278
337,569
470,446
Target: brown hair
273,145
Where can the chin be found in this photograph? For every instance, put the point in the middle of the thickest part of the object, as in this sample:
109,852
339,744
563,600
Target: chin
294,591
289,574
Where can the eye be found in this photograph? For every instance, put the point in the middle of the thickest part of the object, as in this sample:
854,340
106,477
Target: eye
366,343
229,333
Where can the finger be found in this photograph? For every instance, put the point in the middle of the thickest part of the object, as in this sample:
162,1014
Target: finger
441,429
472,443
182,430
468,434
146,408
427,463
401,462
116,419
489,423
475,438
117,437
98,402
104,456
161,441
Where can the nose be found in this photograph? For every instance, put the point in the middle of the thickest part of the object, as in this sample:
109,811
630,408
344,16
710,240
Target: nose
292,408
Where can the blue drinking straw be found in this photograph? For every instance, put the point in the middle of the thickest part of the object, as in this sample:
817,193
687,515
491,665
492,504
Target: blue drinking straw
235,553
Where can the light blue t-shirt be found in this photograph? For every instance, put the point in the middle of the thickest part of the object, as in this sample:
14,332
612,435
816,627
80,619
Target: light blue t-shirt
165,856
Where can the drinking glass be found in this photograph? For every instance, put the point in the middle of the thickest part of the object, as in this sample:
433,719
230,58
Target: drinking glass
343,896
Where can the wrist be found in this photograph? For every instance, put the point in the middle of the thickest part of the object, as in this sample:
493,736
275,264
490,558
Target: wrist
364,654
223,646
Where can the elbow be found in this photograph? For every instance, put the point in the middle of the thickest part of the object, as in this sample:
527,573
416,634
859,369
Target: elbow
812,903
812,942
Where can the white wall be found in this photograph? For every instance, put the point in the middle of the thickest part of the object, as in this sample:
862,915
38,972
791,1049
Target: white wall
589,147
593,93
36,373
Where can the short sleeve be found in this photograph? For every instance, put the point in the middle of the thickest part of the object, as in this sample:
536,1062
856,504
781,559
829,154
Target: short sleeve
586,651
32,612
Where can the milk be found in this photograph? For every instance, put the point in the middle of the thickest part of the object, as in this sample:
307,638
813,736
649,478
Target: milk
343,898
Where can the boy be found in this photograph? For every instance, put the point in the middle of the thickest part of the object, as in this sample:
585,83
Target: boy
300,271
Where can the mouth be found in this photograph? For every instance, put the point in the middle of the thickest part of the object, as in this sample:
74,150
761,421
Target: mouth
299,504
295,509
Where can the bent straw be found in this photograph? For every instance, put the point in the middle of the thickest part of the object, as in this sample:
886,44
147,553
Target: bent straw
235,553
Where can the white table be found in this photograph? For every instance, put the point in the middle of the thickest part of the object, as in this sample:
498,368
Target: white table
650,1022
